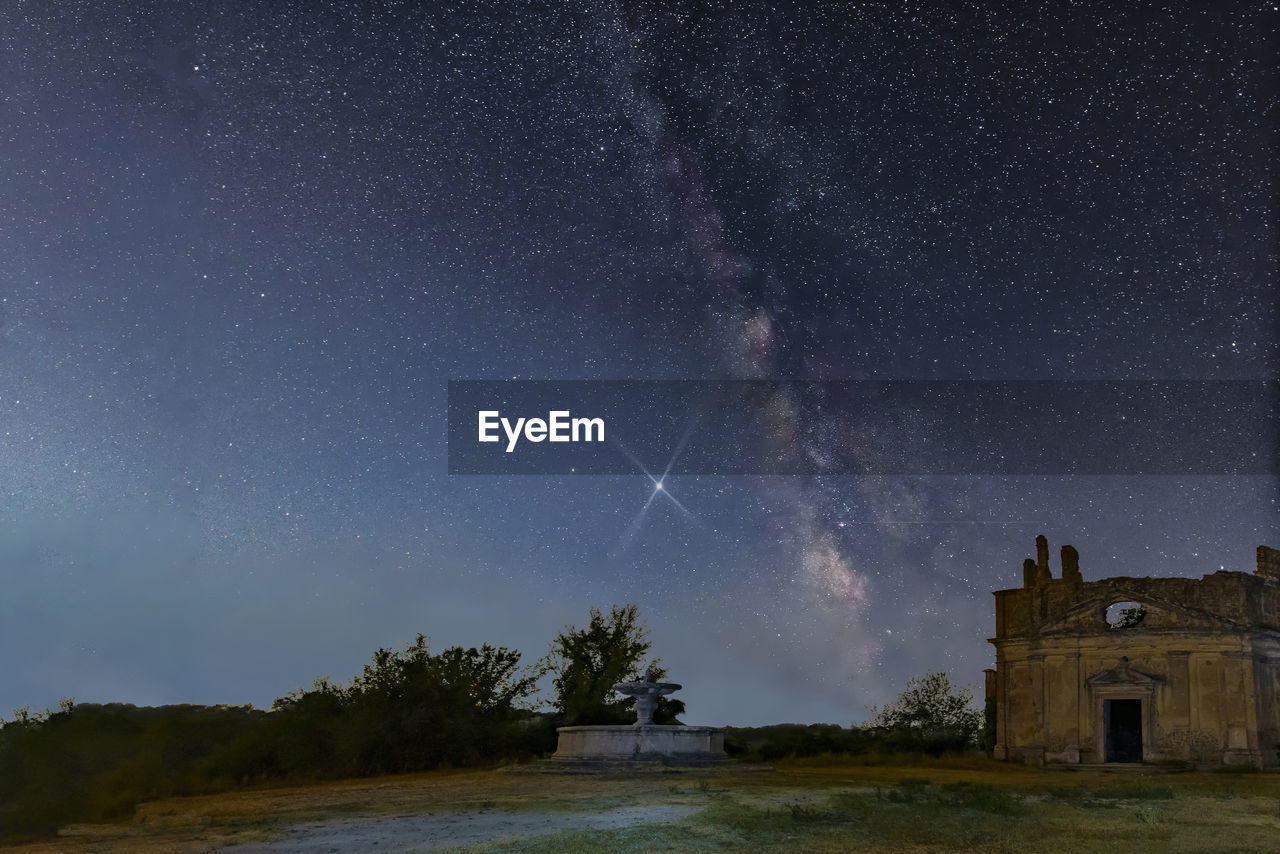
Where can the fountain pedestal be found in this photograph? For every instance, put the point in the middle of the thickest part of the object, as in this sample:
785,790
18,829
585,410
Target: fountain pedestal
654,743
643,741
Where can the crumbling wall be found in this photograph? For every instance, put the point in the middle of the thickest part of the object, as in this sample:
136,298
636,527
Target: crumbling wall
1204,659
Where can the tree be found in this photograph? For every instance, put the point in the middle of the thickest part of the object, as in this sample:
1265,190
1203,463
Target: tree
932,714
588,662
490,678
409,710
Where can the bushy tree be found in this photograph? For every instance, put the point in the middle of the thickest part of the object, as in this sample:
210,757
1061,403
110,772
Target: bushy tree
588,662
408,710
932,714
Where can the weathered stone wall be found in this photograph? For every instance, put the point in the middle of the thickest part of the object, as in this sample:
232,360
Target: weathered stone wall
1204,661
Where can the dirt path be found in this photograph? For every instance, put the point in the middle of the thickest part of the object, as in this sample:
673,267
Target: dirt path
447,830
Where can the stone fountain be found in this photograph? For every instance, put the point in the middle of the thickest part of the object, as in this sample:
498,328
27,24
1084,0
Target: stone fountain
646,695
643,741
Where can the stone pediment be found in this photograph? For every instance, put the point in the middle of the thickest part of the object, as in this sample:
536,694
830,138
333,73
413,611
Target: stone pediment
1122,675
1089,616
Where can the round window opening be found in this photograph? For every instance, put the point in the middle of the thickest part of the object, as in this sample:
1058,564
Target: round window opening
1125,615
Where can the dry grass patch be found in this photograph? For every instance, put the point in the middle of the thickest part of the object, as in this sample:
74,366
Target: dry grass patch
800,806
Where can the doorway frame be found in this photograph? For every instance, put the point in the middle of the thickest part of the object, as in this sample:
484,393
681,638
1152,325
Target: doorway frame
1102,693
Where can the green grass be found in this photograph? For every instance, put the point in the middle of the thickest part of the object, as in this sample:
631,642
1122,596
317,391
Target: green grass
915,814
926,826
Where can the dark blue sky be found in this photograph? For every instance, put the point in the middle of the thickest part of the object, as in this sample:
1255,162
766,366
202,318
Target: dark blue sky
244,246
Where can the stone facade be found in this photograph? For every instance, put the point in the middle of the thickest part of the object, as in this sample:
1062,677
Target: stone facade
1191,674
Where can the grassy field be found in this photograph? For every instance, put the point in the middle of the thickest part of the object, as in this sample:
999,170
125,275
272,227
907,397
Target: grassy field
807,805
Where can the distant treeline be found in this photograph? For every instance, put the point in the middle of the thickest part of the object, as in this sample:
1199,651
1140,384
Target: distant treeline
408,711
797,741
931,716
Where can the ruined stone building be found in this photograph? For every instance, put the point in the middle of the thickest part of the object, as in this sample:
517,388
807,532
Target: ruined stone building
1183,668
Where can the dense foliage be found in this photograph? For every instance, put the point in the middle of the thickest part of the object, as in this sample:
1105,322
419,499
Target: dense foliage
784,741
408,711
588,662
932,714
94,762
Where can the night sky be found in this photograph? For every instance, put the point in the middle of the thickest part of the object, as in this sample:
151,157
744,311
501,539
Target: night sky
245,245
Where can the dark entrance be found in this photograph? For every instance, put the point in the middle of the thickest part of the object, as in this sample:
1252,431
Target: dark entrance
1124,730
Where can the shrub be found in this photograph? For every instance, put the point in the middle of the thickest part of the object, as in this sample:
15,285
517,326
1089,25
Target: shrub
931,714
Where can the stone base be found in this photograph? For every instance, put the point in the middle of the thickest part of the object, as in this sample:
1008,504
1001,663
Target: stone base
1033,756
649,743
630,767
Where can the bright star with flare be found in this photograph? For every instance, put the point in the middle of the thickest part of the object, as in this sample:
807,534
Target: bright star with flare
659,486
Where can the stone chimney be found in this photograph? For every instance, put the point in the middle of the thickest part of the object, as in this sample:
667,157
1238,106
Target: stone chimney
1030,576
1043,575
1035,573
1071,565
1268,563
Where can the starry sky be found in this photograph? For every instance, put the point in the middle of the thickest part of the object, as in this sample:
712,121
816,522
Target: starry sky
244,246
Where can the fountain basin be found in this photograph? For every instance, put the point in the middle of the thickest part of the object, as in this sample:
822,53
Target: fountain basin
651,742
